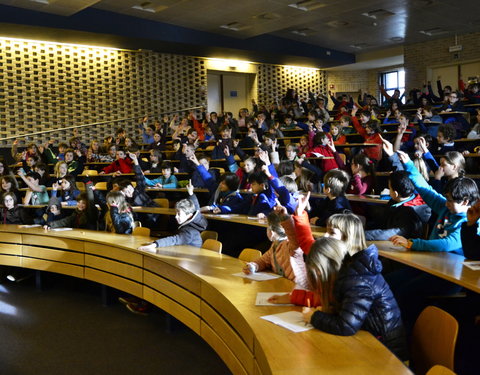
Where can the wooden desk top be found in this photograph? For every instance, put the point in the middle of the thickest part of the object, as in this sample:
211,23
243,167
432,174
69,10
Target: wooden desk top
232,218
197,287
442,264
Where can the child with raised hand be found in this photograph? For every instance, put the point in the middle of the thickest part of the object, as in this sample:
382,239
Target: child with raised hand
284,256
120,218
459,195
191,224
224,196
36,193
85,215
166,181
68,191
370,131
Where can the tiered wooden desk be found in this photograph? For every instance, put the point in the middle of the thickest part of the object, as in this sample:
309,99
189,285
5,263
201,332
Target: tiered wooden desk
444,265
197,287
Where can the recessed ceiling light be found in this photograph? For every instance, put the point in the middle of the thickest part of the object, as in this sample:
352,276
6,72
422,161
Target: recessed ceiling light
234,26
378,13
303,32
149,7
307,5
359,45
434,31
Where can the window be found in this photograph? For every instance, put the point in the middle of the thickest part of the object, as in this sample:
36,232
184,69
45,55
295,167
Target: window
393,80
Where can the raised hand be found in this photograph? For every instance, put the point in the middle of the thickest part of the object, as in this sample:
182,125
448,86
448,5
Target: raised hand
189,187
302,203
404,158
387,147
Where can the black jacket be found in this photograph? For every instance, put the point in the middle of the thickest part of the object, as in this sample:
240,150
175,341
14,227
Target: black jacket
399,219
326,207
189,231
17,215
471,241
364,301
122,222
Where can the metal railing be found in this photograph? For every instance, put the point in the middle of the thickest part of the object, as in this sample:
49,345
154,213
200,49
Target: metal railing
90,125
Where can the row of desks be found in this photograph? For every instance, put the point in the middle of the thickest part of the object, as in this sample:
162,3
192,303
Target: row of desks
197,287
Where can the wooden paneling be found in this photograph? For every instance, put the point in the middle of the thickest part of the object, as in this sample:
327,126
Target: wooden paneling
50,241
53,254
114,281
45,265
121,269
112,252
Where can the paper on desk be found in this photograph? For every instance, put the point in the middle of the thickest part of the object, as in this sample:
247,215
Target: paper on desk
30,226
472,264
262,299
227,216
292,320
60,229
258,276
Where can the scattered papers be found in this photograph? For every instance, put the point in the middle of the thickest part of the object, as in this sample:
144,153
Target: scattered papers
291,320
258,276
262,299
252,217
472,264
60,229
30,226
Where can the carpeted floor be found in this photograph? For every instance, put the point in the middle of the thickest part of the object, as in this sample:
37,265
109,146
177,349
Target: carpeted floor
65,330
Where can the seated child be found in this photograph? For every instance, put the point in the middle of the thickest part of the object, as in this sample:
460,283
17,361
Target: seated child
262,201
335,184
470,233
85,215
451,208
68,191
322,147
284,256
166,181
122,164
11,212
191,224
405,214
36,193
363,175
446,138
119,219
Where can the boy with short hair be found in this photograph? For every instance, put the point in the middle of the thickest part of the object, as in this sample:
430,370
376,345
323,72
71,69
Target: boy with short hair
451,208
446,138
405,214
262,201
335,185
36,193
191,224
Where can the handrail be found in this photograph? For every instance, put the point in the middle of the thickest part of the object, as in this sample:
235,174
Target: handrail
86,125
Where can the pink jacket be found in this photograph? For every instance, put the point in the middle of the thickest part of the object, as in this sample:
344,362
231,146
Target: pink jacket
285,256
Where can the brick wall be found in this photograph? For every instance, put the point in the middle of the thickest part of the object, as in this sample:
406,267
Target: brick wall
419,56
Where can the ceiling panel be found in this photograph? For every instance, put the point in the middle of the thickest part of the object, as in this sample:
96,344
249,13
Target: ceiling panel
345,25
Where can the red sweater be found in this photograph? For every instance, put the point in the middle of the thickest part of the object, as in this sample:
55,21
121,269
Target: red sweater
122,165
374,152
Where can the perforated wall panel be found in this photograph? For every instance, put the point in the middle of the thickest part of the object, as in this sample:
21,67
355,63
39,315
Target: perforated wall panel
45,86
274,80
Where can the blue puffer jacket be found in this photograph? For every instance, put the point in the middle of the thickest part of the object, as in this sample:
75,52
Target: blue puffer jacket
363,300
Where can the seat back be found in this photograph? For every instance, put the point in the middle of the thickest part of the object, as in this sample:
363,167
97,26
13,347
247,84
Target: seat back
249,255
440,370
101,185
433,340
209,234
141,231
213,245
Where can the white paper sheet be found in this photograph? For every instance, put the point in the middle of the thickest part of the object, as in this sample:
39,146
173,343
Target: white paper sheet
291,320
472,264
30,226
262,299
60,229
258,276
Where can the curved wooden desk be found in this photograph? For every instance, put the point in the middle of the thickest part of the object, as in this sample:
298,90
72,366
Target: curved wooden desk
196,286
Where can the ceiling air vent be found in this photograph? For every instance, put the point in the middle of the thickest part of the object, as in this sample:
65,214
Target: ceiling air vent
307,5
268,16
337,23
378,14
